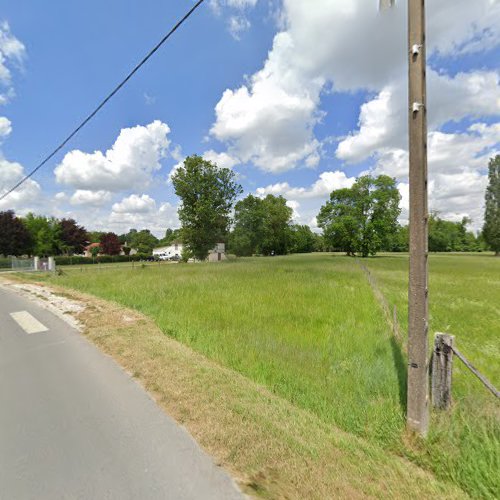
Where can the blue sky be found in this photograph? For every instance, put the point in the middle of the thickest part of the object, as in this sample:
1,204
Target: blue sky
298,97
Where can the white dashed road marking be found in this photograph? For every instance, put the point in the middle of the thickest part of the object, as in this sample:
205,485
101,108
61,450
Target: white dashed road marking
28,323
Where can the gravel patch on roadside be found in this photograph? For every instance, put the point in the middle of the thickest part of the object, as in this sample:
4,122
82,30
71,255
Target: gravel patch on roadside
62,307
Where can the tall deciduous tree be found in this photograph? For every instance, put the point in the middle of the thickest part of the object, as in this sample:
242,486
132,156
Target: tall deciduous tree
491,229
46,234
261,226
110,244
171,235
448,236
208,194
363,218
74,238
248,233
303,240
15,239
276,237
143,241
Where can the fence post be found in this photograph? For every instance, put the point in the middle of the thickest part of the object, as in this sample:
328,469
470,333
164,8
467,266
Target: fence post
442,364
52,264
36,263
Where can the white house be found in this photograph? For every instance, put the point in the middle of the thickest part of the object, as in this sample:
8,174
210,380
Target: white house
170,252
174,251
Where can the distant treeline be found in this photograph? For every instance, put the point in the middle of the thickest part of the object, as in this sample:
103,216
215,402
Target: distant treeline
261,227
44,236
360,220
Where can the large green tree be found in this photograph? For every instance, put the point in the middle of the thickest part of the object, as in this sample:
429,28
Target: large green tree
15,239
171,235
248,232
143,241
46,234
303,240
448,236
207,194
261,226
362,219
491,228
278,215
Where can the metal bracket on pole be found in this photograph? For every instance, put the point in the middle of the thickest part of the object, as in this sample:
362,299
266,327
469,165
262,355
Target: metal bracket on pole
417,106
415,50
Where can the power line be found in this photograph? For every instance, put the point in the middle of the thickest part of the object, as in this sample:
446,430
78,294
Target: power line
105,101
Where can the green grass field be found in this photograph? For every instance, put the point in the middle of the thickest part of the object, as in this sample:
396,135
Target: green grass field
310,329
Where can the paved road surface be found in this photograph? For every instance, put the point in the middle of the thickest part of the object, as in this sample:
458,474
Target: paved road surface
74,426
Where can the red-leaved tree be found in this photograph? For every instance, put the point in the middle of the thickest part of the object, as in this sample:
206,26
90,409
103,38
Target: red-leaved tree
73,237
110,244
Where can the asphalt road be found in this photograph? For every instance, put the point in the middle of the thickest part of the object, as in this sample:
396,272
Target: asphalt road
73,425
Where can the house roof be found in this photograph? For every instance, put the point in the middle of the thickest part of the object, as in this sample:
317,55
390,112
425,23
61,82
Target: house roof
92,245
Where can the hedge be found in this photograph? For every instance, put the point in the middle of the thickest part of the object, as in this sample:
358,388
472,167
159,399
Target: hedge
5,263
77,260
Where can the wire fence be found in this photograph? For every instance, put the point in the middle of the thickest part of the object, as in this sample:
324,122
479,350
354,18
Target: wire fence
442,371
476,372
20,264
97,266
442,357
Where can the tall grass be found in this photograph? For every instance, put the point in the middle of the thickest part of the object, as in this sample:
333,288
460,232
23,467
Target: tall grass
464,445
310,329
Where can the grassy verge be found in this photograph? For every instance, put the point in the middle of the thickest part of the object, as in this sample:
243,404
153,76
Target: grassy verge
274,448
310,330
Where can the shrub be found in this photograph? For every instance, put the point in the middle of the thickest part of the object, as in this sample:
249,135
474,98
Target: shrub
186,254
77,260
5,263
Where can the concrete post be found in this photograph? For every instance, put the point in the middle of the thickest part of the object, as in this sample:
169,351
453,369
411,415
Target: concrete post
36,263
52,264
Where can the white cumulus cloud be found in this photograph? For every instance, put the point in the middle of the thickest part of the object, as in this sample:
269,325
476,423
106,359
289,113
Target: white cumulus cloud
25,196
142,212
131,161
5,127
383,120
135,204
348,45
87,197
12,52
327,182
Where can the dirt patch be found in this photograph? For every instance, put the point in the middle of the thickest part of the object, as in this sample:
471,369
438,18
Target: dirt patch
63,307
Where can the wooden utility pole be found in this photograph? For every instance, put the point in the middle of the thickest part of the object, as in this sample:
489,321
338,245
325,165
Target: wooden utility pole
418,370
